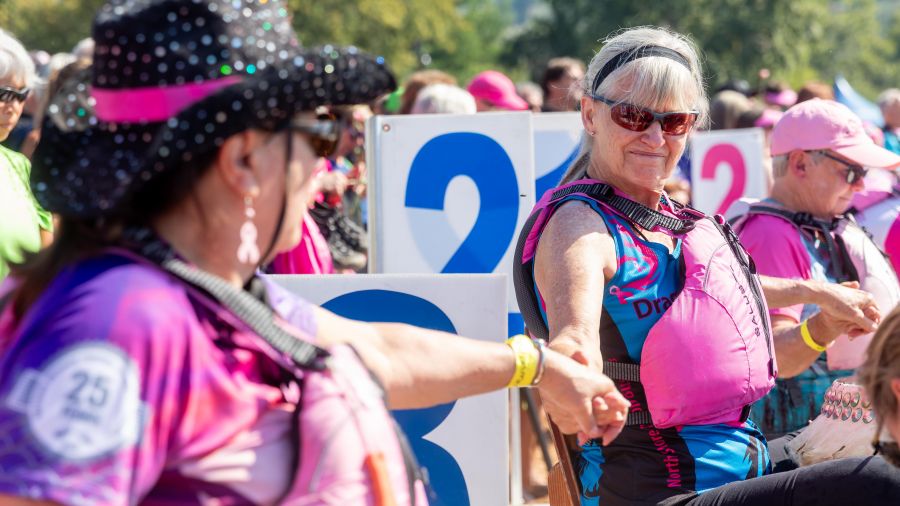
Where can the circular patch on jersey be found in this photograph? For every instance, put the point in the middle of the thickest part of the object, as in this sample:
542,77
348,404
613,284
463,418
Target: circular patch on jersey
85,403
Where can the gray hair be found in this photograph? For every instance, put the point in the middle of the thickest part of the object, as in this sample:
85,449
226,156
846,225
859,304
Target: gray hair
443,99
779,165
15,62
780,162
84,50
887,96
657,81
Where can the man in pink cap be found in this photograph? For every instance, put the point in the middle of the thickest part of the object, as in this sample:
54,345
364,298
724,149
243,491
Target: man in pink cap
493,91
820,154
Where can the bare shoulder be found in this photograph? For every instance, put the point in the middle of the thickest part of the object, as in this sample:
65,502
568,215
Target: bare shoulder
577,232
575,222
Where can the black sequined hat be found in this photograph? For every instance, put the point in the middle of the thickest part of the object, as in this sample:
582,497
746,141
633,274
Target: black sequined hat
172,79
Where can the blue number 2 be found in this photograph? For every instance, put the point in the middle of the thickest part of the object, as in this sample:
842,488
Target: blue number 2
483,160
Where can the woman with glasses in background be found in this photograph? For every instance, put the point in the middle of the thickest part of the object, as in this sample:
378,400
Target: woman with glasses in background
609,270
24,225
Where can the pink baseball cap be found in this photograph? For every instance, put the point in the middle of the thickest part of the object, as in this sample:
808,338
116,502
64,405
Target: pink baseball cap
499,90
825,124
768,118
783,98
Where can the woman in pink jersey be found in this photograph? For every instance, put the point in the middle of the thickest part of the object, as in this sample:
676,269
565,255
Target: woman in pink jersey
143,361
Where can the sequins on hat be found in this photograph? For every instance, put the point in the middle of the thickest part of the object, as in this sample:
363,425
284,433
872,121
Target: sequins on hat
171,80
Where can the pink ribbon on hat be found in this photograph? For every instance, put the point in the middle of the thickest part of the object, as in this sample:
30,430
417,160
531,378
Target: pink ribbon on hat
133,105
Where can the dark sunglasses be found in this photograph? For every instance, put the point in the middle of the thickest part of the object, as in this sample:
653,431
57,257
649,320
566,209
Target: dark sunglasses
854,172
8,94
638,119
324,133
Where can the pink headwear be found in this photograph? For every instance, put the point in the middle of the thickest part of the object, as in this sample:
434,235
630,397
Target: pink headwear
784,98
825,124
499,90
768,118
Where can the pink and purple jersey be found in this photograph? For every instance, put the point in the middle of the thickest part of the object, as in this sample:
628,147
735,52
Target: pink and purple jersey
119,388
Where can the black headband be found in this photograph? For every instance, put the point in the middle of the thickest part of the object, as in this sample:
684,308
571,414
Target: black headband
627,56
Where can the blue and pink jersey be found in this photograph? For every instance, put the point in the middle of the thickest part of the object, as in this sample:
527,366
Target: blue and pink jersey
647,464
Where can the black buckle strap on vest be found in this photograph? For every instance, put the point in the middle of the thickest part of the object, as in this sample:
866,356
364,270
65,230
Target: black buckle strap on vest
641,417
253,312
639,214
837,251
626,371
622,371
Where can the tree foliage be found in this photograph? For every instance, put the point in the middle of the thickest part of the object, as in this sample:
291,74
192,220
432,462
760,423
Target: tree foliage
460,37
51,25
797,40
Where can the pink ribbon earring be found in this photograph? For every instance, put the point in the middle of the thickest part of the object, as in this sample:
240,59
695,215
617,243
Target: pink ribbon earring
248,251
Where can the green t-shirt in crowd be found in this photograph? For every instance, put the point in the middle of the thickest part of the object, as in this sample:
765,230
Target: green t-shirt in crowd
21,217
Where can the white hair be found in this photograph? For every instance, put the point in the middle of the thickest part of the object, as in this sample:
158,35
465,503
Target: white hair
657,82
780,162
443,99
15,63
84,50
888,96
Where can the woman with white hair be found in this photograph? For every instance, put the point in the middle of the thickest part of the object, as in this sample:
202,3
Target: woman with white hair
889,102
24,225
664,301
443,98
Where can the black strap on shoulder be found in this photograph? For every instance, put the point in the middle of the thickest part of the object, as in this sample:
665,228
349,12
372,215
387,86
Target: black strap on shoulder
253,312
639,214
805,222
259,317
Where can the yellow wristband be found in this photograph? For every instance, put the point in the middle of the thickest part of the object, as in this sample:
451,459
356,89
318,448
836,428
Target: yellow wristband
527,357
804,332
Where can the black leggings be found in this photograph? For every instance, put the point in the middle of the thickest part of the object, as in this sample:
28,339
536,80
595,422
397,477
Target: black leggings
844,482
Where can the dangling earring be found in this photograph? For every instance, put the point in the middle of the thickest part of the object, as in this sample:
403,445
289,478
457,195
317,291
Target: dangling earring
248,251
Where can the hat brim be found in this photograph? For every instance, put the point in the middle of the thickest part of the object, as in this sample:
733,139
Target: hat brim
514,103
84,167
870,155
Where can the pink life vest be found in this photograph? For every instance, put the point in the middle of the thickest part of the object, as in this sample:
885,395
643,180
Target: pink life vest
710,355
854,257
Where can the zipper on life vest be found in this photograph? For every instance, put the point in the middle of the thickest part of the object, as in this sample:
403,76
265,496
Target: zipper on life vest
749,270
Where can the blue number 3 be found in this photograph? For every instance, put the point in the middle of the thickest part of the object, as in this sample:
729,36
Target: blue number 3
446,477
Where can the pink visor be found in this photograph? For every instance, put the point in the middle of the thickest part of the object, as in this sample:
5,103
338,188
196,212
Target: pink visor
152,104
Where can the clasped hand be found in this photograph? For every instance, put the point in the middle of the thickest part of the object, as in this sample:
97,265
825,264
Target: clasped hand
582,400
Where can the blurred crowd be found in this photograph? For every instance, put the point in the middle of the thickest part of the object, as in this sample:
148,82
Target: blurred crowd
334,236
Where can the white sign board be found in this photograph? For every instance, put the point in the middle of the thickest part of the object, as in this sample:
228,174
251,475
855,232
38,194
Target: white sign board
464,444
726,165
449,193
557,139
